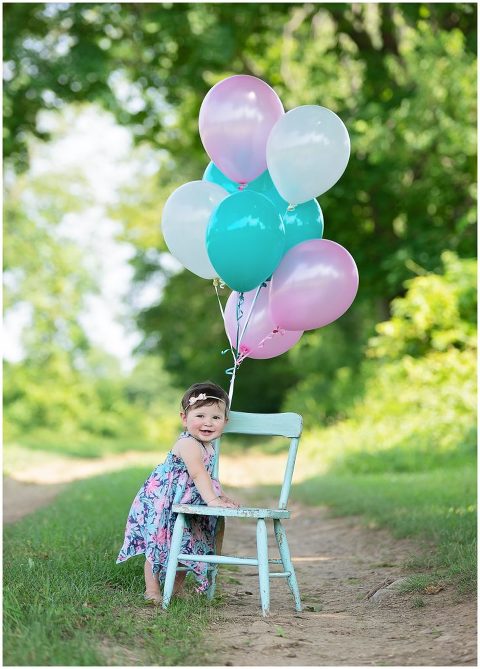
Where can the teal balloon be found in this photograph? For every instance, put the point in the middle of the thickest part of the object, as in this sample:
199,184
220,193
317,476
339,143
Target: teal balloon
265,186
304,222
215,176
262,184
245,240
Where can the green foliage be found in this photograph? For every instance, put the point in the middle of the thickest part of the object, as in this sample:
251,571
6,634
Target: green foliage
78,412
329,365
404,454
438,312
44,270
413,413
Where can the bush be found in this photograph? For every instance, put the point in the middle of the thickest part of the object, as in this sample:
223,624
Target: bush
417,410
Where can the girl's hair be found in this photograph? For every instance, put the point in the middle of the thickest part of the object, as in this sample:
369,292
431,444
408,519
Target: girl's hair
212,393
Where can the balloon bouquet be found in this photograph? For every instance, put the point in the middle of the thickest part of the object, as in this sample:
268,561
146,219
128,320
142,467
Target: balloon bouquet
253,222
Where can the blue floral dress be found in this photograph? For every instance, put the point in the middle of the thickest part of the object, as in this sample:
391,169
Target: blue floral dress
150,520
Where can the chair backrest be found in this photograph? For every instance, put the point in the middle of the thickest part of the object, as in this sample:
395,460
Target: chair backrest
267,424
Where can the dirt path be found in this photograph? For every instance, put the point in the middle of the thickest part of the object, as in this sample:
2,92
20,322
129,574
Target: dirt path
338,563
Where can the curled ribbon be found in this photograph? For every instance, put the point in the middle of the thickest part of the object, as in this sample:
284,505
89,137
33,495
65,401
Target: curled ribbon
244,352
218,283
271,336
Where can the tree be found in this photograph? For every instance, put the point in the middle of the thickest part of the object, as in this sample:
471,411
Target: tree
401,76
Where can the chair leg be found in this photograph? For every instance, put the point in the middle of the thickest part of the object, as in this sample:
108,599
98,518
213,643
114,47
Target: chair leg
263,574
219,532
172,564
282,543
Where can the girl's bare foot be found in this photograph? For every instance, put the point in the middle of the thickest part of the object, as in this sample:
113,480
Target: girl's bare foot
153,598
152,595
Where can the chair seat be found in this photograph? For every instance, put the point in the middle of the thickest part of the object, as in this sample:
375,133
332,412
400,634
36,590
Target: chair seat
241,512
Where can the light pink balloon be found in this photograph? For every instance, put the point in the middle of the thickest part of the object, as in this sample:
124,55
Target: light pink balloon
235,120
314,284
260,327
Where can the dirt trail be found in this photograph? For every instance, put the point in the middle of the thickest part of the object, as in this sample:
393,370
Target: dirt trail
36,477
338,562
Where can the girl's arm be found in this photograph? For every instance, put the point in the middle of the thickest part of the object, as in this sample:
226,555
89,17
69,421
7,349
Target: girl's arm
189,451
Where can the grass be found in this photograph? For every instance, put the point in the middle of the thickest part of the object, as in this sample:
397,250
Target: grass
66,602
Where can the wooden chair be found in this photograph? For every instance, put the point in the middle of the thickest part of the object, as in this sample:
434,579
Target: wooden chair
282,424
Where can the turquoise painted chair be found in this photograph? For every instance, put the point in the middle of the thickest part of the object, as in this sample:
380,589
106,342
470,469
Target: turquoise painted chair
282,424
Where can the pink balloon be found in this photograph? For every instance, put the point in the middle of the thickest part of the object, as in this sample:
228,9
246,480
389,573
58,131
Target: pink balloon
235,120
259,340
314,284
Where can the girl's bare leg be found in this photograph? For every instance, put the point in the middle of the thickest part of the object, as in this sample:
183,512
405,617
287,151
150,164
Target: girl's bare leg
152,586
178,583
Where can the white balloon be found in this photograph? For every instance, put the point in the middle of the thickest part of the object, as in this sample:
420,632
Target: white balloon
307,152
185,219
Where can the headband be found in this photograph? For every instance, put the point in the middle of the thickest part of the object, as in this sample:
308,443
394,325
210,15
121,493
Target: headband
204,396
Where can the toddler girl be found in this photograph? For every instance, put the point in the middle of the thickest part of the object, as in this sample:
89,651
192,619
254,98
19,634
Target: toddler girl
188,467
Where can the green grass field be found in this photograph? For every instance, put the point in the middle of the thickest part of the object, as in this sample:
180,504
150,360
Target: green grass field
66,602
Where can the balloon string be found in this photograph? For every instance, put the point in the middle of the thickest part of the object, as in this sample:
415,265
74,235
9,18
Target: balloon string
231,371
219,284
271,335
244,352
241,351
239,314
250,312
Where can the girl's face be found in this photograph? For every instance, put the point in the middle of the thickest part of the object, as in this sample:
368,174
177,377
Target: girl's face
205,423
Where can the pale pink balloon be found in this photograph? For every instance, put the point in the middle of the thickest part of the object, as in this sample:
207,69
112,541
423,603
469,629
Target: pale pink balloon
259,341
315,283
235,120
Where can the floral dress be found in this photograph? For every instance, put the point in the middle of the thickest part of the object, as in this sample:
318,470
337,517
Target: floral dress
150,520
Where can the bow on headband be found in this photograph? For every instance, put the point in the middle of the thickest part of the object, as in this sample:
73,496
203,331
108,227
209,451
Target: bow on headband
204,396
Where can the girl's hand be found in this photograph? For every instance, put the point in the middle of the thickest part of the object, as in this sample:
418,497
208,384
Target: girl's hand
229,499
222,502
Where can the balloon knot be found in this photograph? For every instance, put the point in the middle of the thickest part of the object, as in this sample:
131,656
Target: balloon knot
291,207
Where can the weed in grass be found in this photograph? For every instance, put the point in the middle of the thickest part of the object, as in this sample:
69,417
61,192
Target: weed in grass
418,603
279,631
229,567
382,565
